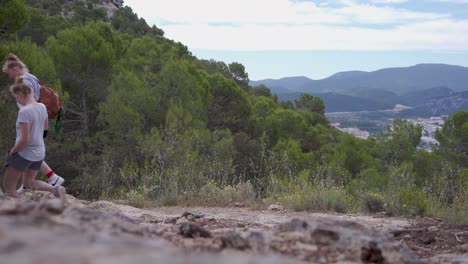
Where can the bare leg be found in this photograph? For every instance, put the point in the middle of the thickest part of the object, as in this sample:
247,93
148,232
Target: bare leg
10,180
29,179
45,168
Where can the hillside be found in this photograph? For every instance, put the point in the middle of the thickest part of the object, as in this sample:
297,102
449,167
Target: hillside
423,86
335,102
399,80
149,124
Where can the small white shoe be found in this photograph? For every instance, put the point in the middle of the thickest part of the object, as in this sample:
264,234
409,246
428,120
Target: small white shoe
56,180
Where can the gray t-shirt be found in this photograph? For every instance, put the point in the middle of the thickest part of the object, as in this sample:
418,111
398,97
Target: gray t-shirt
36,115
32,81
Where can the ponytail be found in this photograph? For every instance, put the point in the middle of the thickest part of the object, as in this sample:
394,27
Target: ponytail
13,61
20,87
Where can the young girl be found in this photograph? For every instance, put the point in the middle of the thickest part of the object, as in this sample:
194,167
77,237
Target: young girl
15,68
26,156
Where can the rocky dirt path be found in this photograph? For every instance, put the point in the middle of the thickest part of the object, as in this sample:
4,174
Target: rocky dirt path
38,229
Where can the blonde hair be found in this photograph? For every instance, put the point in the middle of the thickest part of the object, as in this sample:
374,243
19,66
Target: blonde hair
13,61
20,87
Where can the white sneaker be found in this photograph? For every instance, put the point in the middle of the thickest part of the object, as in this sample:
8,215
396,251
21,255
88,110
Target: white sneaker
56,180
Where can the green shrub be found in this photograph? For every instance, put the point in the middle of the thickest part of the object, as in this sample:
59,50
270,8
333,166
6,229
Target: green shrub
319,199
212,194
407,201
135,199
373,203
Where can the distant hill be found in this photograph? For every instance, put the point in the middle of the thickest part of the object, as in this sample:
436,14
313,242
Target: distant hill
437,100
420,86
340,103
421,97
400,80
289,83
445,105
384,98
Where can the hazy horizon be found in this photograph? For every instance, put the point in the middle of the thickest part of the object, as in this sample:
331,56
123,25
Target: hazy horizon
316,39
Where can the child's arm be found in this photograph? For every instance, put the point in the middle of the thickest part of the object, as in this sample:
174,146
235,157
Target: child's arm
23,140
46,128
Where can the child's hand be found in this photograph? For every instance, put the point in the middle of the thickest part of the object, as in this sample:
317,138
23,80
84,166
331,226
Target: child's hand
8,155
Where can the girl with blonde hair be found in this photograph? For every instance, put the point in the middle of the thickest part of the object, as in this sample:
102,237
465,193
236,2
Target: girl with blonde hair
26,156
15,68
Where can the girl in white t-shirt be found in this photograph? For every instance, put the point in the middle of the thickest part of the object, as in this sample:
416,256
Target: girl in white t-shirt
26,156
15,68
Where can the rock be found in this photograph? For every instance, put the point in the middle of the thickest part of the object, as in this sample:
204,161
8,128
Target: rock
294,236
464,248
54,206
7,247
426,240
171,220
306,247
192,230
190,216
256,240
15,207
450,259
275,207
295,225
181,221
325,236
234,240
372,253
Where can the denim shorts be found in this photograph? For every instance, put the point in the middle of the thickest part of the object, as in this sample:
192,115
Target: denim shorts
20,163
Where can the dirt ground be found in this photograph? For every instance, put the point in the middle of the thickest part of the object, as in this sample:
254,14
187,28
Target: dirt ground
38,229
428,238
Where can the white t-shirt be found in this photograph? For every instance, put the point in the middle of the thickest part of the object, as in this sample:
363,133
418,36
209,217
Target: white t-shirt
36,115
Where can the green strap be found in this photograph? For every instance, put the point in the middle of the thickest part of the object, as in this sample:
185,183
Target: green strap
59,121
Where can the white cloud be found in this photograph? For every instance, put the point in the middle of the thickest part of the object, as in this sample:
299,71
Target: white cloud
452,1
440,35
285,25
270,11
388,1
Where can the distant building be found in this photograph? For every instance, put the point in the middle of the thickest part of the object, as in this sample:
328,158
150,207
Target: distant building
430,126
353,131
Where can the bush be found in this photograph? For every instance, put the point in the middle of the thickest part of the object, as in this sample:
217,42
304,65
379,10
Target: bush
213,195
408,201
319,199
373,203
135,199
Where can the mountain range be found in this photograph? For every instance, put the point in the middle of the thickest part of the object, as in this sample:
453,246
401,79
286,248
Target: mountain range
425,87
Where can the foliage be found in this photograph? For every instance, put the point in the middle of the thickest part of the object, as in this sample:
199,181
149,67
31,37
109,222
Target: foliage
135,199
145,119
304,195
242,193
41,26
310,103
124,20
454,138
13,15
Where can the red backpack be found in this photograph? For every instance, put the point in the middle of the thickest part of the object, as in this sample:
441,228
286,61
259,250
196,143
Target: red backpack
50,98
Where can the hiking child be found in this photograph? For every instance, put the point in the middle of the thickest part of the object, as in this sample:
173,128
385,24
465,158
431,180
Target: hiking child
15,68
27,155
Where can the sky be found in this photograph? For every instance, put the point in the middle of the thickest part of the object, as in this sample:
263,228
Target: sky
314,38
